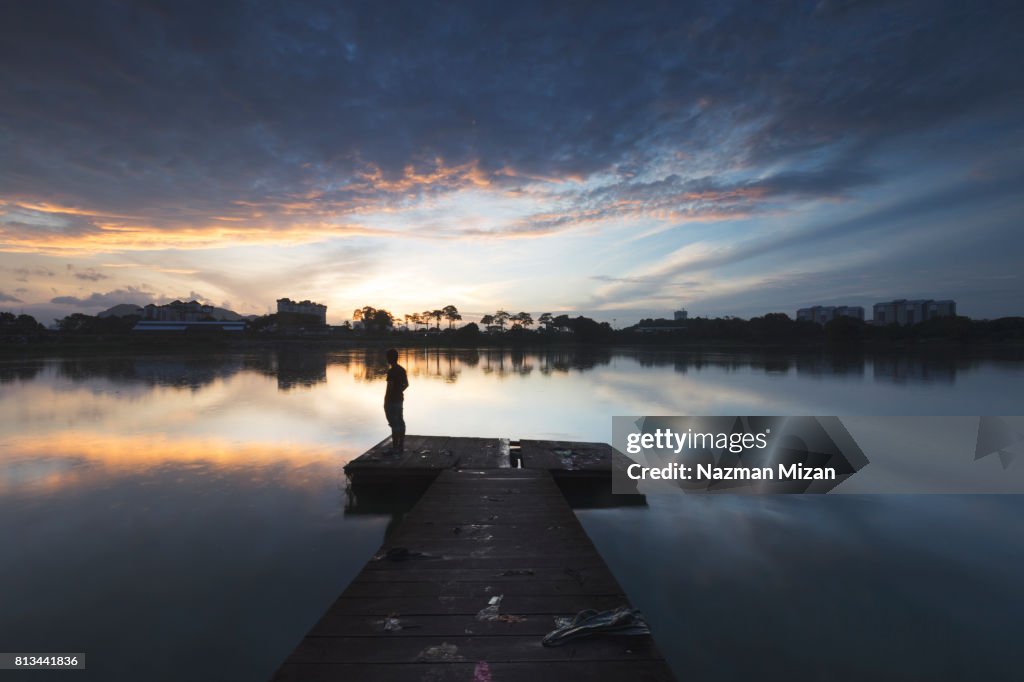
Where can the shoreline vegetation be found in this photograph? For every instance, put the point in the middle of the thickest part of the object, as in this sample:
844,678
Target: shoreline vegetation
79,333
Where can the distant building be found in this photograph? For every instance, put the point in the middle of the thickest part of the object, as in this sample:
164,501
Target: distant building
822,314
176,311
680,315
654,329
286,305
943,308
905,312
189,326
818,313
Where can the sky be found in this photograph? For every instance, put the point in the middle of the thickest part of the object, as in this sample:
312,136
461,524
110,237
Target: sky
617,160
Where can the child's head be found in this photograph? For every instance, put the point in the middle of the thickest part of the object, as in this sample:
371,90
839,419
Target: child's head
392,356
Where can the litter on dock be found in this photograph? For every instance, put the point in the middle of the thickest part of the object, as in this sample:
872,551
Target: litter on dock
479,604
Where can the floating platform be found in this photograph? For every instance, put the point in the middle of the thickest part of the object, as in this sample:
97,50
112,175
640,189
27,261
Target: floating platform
475,574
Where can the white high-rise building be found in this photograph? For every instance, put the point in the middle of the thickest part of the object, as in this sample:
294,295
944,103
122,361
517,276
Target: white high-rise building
823,314
902,311
286,305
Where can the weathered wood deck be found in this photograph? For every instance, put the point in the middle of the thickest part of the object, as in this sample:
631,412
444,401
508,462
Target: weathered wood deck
484,532
426,456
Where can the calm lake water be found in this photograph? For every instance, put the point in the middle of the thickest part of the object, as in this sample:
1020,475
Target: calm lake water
183,517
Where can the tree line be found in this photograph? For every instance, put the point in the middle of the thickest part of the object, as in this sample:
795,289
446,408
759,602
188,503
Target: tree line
773,329
380,319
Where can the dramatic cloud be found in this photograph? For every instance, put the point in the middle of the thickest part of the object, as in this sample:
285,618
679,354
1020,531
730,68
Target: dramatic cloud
88,275
159,115
170,127
24,274
5,297
108,299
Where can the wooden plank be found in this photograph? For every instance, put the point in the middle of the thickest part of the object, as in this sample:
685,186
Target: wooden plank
476,516
551,671
497,563
337,624
488,453
421,452
479,590
411,649
563,605
434,453
565,455
475,534
596,573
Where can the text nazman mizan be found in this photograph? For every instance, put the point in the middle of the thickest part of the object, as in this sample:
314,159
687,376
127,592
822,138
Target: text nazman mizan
710,472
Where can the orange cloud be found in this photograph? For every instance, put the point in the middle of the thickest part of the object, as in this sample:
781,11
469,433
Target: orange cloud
441,176
46,207
107,237
317,214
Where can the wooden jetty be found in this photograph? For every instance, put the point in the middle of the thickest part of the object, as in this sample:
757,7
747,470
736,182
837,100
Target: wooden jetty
475,574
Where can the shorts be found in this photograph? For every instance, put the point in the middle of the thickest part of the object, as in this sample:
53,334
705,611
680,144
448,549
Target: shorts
393,411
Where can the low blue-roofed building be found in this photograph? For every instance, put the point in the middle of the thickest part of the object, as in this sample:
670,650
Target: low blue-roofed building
183,326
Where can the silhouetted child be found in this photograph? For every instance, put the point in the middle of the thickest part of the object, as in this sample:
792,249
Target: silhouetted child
394,400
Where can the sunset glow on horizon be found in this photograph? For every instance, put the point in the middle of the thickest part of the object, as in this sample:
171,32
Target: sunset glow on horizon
730,158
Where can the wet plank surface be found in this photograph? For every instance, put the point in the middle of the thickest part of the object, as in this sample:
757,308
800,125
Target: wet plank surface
426,455
475,536
572,458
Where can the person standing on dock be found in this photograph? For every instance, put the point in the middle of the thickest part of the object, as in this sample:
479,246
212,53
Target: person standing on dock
394,400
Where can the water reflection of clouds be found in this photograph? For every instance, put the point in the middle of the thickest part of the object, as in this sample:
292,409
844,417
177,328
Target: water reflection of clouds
21,473
691,394
306,367
314,397
219,477
179,550
896,575
63,459
185,371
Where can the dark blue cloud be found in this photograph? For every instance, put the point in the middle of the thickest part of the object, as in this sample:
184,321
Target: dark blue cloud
172,114
145,106
107,299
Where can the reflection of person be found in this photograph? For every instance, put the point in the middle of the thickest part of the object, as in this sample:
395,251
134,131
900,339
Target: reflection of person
394,400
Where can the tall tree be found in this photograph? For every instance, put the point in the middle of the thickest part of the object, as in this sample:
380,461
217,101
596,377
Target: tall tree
451,313
437,315
522,320
382,319
374,319
21,324
365,313
487,321
547,320
501,317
